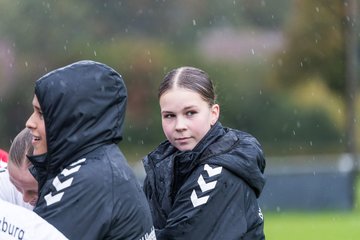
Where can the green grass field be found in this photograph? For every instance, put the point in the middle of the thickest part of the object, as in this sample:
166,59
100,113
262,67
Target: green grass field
335,225
313,226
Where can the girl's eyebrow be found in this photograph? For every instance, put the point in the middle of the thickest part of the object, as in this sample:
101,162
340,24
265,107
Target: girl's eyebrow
184,109
190,107
165,112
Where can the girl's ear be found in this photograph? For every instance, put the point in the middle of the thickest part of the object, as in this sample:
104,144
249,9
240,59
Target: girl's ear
215,113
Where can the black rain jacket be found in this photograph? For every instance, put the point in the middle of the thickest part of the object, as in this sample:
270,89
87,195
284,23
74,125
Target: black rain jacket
210,192
86,188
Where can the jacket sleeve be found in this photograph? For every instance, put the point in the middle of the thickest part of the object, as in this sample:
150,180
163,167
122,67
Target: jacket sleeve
73,203
85,202
211,204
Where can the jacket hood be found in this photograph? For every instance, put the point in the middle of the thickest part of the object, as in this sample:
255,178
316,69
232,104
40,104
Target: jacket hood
240,153
237,151
83,106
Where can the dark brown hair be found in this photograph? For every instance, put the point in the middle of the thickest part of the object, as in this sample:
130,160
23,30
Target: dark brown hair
190,78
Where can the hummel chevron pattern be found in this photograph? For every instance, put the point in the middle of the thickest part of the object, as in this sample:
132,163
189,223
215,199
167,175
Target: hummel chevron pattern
204,186
60,186
196,201
212,171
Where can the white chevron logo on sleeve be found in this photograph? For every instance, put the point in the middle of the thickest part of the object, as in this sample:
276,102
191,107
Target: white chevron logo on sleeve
196,201
53,199
66,172
206,186
212,171
78,162
60,186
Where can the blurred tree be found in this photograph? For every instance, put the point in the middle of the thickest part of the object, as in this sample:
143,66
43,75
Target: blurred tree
265,14
143,40
283,125
351,52
320,45
315,45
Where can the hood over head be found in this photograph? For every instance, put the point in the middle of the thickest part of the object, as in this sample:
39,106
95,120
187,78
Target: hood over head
83,106
240,153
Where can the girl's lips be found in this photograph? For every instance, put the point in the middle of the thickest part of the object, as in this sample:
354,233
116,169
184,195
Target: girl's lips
35,140
182,139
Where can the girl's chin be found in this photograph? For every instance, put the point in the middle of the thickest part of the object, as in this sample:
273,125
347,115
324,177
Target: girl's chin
38,152
184,147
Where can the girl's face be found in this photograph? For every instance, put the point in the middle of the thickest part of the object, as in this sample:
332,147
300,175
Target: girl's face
36,124
186,117
24,182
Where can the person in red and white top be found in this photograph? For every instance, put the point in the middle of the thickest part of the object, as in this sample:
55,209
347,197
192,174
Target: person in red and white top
20,223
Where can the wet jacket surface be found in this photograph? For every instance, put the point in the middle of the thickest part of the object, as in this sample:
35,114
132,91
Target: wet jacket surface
210,192
86,188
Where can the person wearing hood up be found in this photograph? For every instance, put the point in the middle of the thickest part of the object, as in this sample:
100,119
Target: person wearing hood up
204,180
86,188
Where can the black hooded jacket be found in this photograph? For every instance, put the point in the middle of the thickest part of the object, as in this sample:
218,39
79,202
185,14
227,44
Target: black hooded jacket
86,188
210,192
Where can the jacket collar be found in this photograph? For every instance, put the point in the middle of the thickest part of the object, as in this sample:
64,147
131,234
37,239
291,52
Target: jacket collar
39,168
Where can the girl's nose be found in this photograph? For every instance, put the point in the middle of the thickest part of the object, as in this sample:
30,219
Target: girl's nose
180,124
30,123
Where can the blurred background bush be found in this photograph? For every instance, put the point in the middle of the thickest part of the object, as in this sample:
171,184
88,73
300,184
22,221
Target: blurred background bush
279,66
282,71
